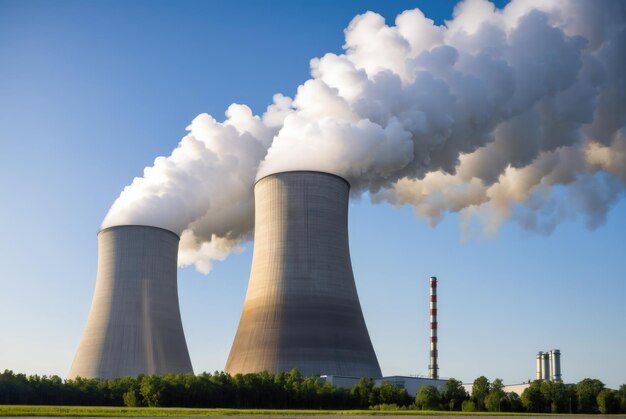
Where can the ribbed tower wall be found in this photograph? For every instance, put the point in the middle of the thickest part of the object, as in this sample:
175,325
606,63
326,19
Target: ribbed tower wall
301,308
134,325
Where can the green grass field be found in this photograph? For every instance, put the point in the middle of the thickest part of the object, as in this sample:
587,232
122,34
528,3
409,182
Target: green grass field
19,410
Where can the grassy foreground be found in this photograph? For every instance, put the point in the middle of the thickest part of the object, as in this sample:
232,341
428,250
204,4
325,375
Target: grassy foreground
21,410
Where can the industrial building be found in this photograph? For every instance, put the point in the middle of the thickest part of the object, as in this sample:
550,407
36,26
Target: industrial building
409,383
134,325
301,308
549,365
548,369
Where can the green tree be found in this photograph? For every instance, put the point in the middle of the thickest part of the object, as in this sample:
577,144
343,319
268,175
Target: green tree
308,392
621,394
293,382
557,396
225,391
608,401
428,398
324,396
362,392
453,395
514,402
151,389
468,406
587,392
267,390
200,390
388,393
374,397
393,394
132,398
495,397
116,388
533,399
480,390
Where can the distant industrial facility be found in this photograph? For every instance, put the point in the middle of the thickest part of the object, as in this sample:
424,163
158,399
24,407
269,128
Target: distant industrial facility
549,365
548,369
301,308
134,325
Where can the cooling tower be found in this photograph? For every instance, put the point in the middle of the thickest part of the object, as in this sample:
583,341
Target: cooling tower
301,308
134,326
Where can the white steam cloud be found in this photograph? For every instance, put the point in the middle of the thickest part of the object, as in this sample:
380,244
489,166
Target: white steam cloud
516,113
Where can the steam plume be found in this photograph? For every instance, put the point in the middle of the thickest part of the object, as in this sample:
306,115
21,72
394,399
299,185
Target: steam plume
516,113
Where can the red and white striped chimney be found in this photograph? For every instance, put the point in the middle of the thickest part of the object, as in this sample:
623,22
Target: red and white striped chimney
432,367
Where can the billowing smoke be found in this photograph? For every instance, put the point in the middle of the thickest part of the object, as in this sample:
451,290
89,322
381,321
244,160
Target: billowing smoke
516,114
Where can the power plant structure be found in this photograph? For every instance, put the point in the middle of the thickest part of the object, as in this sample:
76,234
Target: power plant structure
549,365
433,368
301,308
134,325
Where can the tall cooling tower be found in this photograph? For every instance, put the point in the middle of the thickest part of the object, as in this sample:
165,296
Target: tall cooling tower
302,309
134,326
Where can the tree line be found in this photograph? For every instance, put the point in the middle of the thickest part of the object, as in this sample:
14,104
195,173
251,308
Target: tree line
293,391
587,396
259,390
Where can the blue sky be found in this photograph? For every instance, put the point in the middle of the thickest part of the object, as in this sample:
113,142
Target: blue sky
92,92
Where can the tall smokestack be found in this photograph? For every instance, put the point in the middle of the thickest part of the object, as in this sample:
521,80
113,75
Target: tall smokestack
301,308
539,366
432,367
555,360
545,367
134,325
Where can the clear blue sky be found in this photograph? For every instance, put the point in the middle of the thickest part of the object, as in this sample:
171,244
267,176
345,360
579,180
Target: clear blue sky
91,92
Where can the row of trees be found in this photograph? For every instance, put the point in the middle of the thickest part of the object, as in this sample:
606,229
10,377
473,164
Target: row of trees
485,396
261,390
291,390
587,396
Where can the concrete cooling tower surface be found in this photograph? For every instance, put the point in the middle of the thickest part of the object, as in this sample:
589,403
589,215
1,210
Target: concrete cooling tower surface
301,308
134,326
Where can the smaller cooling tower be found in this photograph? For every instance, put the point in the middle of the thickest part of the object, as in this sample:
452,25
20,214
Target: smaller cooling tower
134,326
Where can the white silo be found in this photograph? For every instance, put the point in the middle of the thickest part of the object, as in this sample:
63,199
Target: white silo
545,366
555,363
539,359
